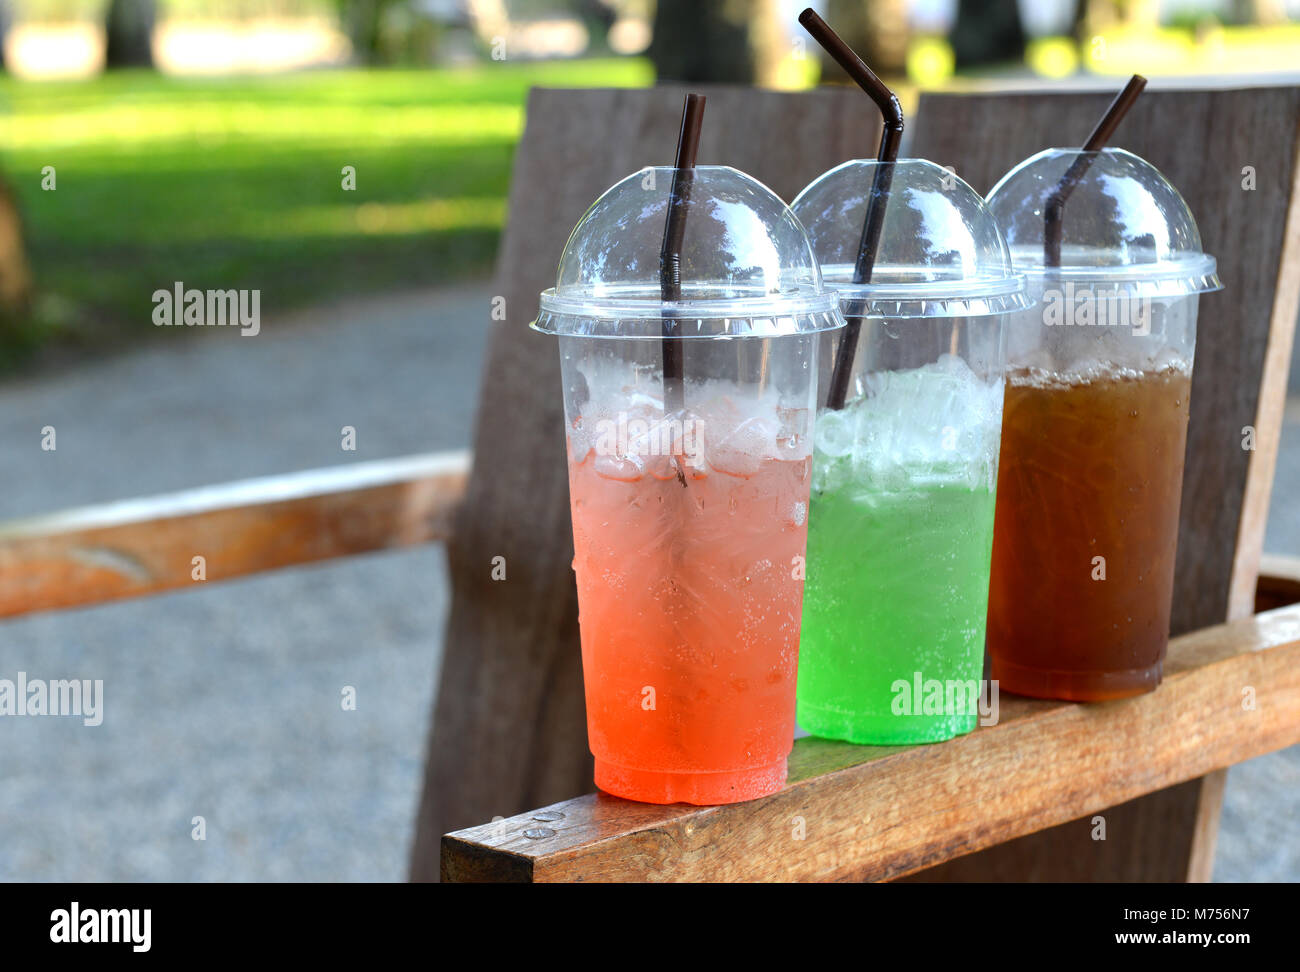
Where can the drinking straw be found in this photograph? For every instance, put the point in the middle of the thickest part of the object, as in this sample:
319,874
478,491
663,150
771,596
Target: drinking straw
890,139
670,256
1055,207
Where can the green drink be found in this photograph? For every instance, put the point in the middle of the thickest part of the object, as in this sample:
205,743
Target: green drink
905,455
900,529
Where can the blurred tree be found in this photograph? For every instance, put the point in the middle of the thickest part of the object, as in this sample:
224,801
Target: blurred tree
1266,12
701,40
987,32
128,30
15,274
6,19
725,41
878,31
598,17
363,22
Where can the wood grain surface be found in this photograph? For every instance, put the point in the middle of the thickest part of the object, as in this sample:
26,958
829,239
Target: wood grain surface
144,546
1232,692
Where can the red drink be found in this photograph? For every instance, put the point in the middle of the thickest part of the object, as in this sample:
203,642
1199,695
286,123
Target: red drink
689,327
690,602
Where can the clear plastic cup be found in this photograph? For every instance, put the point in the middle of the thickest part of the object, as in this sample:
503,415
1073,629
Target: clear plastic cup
1095,424
901,513
689,521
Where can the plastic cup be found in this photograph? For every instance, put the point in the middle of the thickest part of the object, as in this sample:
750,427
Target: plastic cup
901,511
689,524
1095,425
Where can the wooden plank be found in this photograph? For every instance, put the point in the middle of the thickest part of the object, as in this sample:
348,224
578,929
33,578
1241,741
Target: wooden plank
1201,140
144,546
1279,582
877,813
509,729
1268,413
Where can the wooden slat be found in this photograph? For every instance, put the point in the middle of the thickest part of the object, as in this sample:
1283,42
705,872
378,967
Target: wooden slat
509,729
876,813
1279,582
1269,410
144,546
1202,140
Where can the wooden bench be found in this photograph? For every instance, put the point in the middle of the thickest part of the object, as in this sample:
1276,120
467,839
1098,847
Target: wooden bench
882,812
1011,801
1014,800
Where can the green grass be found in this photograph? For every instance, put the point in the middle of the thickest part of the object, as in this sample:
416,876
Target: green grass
237,183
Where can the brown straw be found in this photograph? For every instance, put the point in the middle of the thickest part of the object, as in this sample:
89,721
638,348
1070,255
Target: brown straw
1055,208
670,257
890,139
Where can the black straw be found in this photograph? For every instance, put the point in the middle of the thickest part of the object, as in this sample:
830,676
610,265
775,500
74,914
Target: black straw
670,257
1054,211
890,140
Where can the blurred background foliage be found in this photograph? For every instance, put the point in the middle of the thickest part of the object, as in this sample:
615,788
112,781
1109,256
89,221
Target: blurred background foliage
204,140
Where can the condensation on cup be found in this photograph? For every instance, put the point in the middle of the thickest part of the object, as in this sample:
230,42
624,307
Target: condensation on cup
905,470
689,504
1095,423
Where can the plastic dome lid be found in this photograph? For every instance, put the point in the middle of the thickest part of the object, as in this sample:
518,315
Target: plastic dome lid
1122,224
940,252
747,268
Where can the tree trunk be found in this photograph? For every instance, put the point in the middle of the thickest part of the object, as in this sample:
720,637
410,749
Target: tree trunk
877,30
598,19
698,41
6,21
129,29
363,21
987,32
15,274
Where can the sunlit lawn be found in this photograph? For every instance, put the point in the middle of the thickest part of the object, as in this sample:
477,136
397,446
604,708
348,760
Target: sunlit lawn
237,183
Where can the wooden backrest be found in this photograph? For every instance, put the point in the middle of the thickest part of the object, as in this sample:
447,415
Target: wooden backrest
511,690
1202,141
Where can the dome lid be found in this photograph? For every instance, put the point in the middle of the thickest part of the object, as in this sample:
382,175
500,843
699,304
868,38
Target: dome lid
1121,223
940,253
747,268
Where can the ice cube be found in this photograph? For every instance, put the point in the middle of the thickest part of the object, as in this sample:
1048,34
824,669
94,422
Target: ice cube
741,450
662,467
935,424
623,469
837,432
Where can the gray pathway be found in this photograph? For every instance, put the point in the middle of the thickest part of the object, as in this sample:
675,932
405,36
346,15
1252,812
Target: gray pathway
224,702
